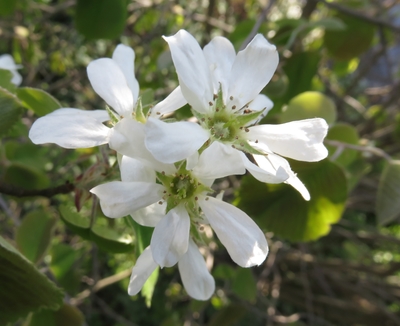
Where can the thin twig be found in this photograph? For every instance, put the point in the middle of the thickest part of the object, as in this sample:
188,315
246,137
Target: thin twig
373,150
48,192
258,23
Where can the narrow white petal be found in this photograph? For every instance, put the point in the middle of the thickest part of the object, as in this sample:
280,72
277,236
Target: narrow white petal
144,267
71,128
118,199
196,279
192,160
218,161
173,101
252,70
245,242
134,170
267,173
261,102
124,56
150,215
173,142
192,69
170,238
7,62
109,82
280,162
220,55
301,140
128,138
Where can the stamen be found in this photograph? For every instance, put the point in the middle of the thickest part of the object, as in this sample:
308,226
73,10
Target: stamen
210,103
231,98
234,107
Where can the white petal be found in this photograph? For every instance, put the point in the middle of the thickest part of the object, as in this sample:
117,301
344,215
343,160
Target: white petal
124,56
301,140
71,128
16,78
7,62
173,102
192,160
150,215
245,242
261,102
267,173
109,82
128,137
118,199
196,279
280,162
173,142
170,238
134,170
252,70
218,161
220,55
144,267
192,69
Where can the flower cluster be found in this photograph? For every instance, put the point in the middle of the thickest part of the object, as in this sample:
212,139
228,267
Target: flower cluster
168,168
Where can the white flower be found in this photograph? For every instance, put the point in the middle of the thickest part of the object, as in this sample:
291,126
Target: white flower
7,62
223,89
114,80
197,280
184,193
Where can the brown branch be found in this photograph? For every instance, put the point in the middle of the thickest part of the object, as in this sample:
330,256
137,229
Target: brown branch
362,16
48,192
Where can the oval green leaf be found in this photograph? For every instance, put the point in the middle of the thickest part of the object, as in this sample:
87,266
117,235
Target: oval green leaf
75,221
34,234
10,111
387,202
23,288
38,101
350,42
110,240
281,209
309,105
343,133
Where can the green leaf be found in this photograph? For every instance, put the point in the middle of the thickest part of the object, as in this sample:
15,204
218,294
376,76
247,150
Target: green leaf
5,80
75,221
110,240
67,315
143,234
352,41
23,288
344,133
387,202
34,234
282,210
309,105
37,100
300,69
10,110
7,7
244,284
101,19
25,176
224,272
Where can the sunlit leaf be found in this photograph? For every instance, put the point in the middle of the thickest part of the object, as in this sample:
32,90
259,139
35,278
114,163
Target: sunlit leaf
23,288
37,100
281,209
309,105
101,19
34,234
387,202
10,110
343,133
75,221
110,240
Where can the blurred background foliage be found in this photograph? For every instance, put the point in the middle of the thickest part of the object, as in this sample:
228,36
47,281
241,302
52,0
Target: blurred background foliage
333,260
